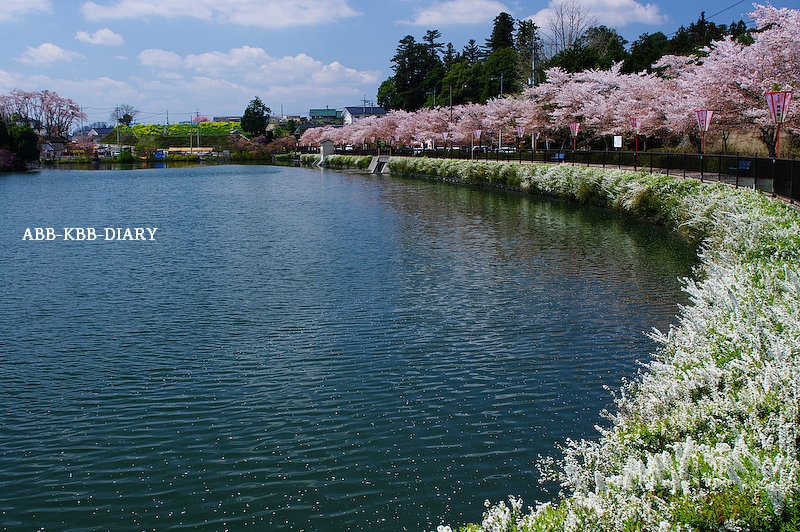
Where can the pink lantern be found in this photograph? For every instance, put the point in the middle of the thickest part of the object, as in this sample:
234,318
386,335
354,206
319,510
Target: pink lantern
778,104
573,128
703,121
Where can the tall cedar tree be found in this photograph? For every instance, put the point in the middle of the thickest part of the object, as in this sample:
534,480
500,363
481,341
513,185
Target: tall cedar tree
528,44
645,51
501,65
255,118
413,62
502,33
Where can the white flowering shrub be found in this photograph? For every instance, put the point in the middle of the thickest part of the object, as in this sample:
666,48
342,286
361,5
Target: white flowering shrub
310,159
348,161
705,437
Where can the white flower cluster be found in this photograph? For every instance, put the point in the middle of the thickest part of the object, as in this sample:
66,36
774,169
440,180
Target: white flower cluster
706,436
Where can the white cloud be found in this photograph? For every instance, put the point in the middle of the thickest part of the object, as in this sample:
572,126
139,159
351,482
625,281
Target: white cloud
259,13
222,63
336,74
623,12
160,59
255,66
8,81
612,13
13,9
47,54
458,12
104,36
227,80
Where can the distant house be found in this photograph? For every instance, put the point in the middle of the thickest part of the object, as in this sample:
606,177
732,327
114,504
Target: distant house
98,132
352,114
53,148
294,118
325,116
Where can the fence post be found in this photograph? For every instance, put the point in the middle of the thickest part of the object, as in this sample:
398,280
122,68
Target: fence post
702,167
684,165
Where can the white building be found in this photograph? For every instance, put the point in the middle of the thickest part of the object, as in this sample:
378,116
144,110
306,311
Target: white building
352,114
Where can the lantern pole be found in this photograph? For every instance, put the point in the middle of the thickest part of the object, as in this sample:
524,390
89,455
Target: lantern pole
778,104
573,128
703,121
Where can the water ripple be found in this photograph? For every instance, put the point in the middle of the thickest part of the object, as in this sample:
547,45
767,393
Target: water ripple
305,351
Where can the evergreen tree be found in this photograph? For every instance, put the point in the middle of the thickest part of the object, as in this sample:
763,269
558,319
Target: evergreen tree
739,31
413,63
502,33
499,75
598,48
430,40
387,94
450,56
528,44
19,144
699,34
607,43
409,74
255,118
645,51
461,81
471,52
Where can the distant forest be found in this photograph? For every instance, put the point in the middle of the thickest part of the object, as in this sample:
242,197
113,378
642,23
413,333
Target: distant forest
518,52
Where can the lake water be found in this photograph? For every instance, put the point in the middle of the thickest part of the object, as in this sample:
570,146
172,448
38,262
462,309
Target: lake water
299,349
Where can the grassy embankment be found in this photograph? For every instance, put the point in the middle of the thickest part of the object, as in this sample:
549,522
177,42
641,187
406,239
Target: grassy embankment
705,437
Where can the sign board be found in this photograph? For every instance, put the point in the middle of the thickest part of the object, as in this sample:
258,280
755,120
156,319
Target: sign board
617,141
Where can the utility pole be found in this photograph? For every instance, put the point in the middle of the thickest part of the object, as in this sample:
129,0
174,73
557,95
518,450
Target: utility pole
534,63
451,103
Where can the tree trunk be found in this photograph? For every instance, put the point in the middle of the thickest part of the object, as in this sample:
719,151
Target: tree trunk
768,137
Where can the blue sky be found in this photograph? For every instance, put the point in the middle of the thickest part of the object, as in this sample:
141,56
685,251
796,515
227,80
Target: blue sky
171,59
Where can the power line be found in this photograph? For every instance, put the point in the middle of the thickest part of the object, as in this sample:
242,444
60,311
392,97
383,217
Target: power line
749,23
727,8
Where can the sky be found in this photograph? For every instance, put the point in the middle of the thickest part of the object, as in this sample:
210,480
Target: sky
174,59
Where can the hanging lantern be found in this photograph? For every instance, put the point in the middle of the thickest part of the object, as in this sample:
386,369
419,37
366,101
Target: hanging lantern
778,104
573,128
703,121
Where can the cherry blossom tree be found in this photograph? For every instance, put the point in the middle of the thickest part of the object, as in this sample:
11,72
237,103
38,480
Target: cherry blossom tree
45,111
468,119
731,78
728,77
500,116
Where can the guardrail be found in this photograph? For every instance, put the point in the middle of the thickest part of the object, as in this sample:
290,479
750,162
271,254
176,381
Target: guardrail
776,176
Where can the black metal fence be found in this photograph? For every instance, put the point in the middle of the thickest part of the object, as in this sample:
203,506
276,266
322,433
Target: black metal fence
771,175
